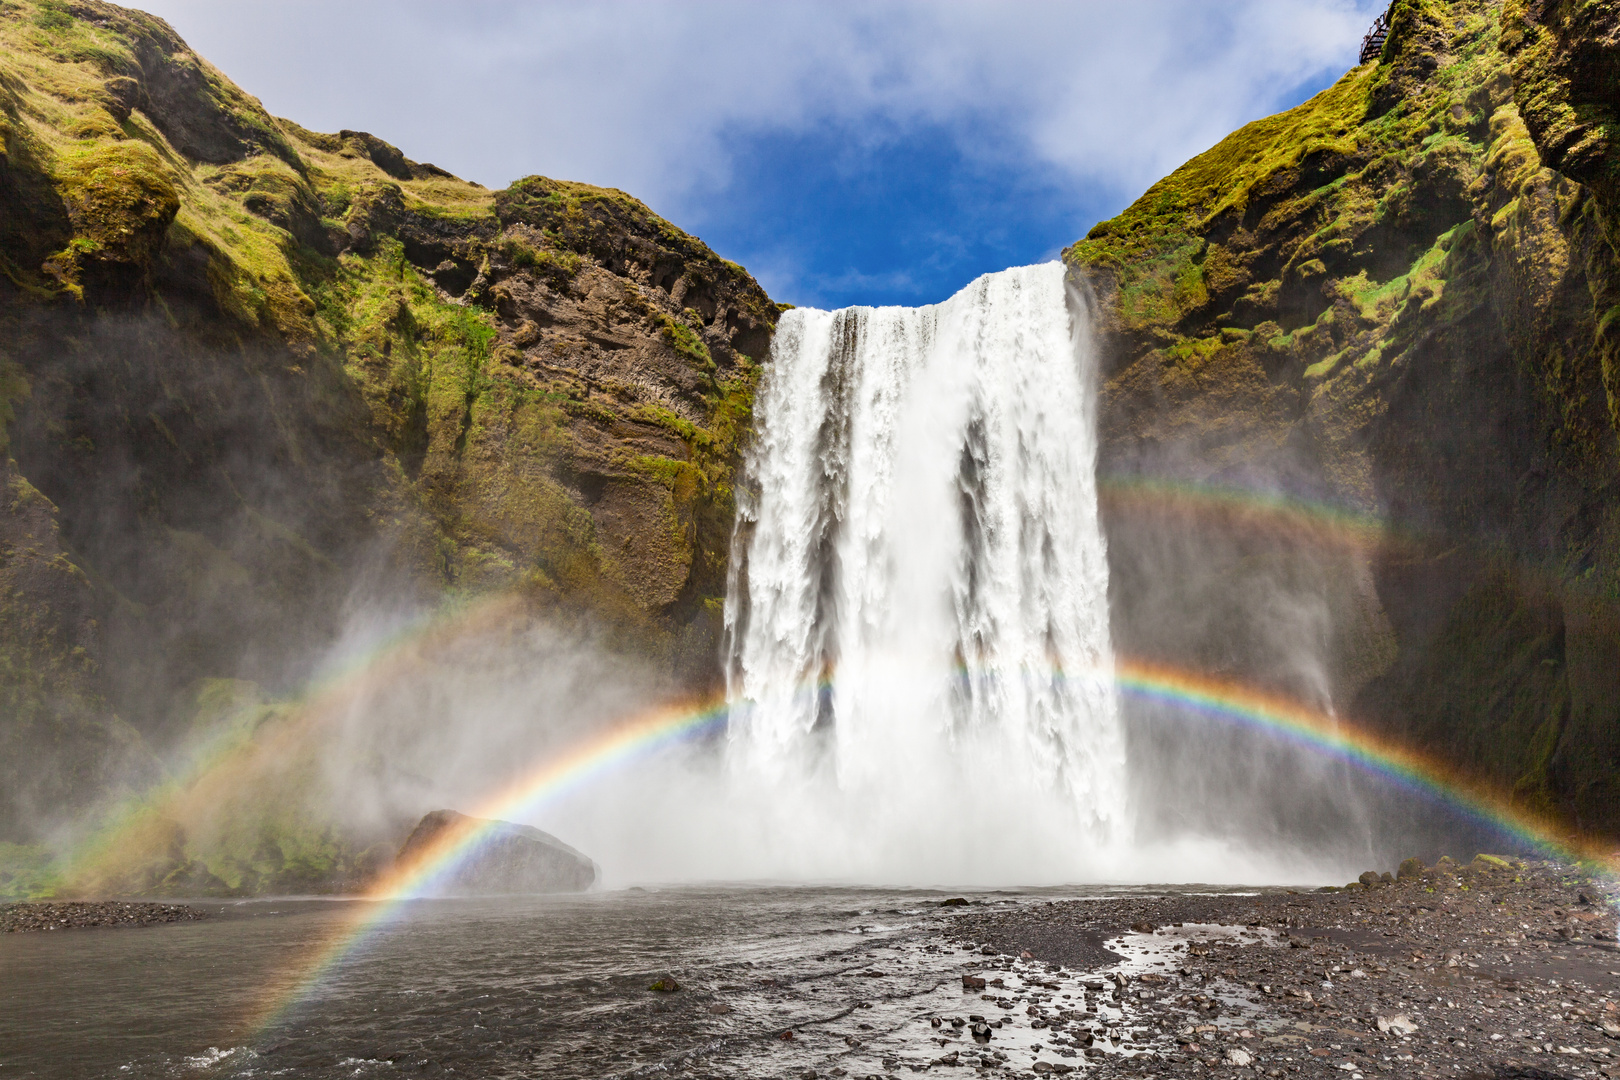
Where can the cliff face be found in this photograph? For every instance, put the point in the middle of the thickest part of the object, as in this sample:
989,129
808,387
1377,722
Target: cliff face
248,371
1361,398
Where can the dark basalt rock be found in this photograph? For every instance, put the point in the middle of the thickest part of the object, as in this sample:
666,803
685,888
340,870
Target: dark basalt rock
1470,411
208,430
507,858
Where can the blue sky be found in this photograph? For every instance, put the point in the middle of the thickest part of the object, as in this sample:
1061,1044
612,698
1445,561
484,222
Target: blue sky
882,152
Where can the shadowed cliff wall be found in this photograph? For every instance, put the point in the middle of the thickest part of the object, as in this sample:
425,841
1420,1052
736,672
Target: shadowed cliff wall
1389,313
249,373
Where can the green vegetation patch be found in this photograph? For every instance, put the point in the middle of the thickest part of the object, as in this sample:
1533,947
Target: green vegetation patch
121,198
557,267
684,340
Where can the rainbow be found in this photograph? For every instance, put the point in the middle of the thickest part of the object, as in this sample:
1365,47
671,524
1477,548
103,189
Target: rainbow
1224,700
102,862
233,756
231,760
1278,513
1273,714
1313,522
428,870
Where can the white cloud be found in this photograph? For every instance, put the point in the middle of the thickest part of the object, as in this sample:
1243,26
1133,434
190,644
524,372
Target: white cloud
645,95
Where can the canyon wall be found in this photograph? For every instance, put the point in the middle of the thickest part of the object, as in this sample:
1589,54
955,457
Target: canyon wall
250,372
1362,396
1358,425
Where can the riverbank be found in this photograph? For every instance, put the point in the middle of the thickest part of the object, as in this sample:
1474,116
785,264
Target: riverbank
787,983
80,914
1493,969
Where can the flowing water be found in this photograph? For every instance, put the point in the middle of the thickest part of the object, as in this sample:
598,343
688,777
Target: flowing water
918,607
921,685
527,987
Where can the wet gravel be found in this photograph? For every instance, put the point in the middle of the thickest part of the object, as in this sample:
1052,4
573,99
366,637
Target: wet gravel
1492,969
74,915
1484,971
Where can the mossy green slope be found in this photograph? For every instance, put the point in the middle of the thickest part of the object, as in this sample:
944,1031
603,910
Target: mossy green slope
1397,298
245,367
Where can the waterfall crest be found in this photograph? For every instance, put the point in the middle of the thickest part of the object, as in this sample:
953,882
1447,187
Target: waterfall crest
917,618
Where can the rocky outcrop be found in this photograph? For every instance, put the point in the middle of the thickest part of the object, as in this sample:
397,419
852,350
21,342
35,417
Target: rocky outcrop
1359,419
246,367
502,859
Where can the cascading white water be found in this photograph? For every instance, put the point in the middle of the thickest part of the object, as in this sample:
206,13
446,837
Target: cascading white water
921,674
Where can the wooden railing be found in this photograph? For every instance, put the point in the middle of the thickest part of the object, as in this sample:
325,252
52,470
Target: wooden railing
1372,46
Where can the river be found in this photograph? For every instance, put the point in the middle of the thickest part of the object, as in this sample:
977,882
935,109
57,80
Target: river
515,987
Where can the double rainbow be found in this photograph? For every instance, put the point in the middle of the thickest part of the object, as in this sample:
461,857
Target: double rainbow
652,732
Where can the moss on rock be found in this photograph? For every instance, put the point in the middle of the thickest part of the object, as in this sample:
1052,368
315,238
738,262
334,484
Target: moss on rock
246,364
1391,299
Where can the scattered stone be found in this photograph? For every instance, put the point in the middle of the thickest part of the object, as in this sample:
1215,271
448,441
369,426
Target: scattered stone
955,901
22,918
972,982
1480,971
665,985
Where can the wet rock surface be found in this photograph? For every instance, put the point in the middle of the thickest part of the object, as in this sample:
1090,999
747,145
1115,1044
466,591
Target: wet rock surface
74,915
842,983
504,858
1493,969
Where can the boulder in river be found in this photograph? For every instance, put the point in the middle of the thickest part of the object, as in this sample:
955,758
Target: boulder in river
504,858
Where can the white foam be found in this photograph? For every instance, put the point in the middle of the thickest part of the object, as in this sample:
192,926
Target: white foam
921,673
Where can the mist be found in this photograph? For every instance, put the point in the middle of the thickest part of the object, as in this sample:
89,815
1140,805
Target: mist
360,697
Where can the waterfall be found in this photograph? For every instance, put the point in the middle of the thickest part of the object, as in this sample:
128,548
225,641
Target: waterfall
920,669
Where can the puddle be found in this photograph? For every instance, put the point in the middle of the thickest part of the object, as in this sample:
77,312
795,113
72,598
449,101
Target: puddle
1167,948
1027,1014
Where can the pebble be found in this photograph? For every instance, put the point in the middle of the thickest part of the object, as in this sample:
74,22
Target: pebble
1480,971
77,914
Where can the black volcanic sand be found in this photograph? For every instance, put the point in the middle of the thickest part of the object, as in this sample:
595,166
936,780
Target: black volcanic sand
78,914
1491,969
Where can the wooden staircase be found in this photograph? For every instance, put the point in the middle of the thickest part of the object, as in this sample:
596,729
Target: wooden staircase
1372,46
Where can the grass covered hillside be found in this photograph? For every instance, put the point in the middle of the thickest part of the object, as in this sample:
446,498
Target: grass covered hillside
248,369
1395,312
